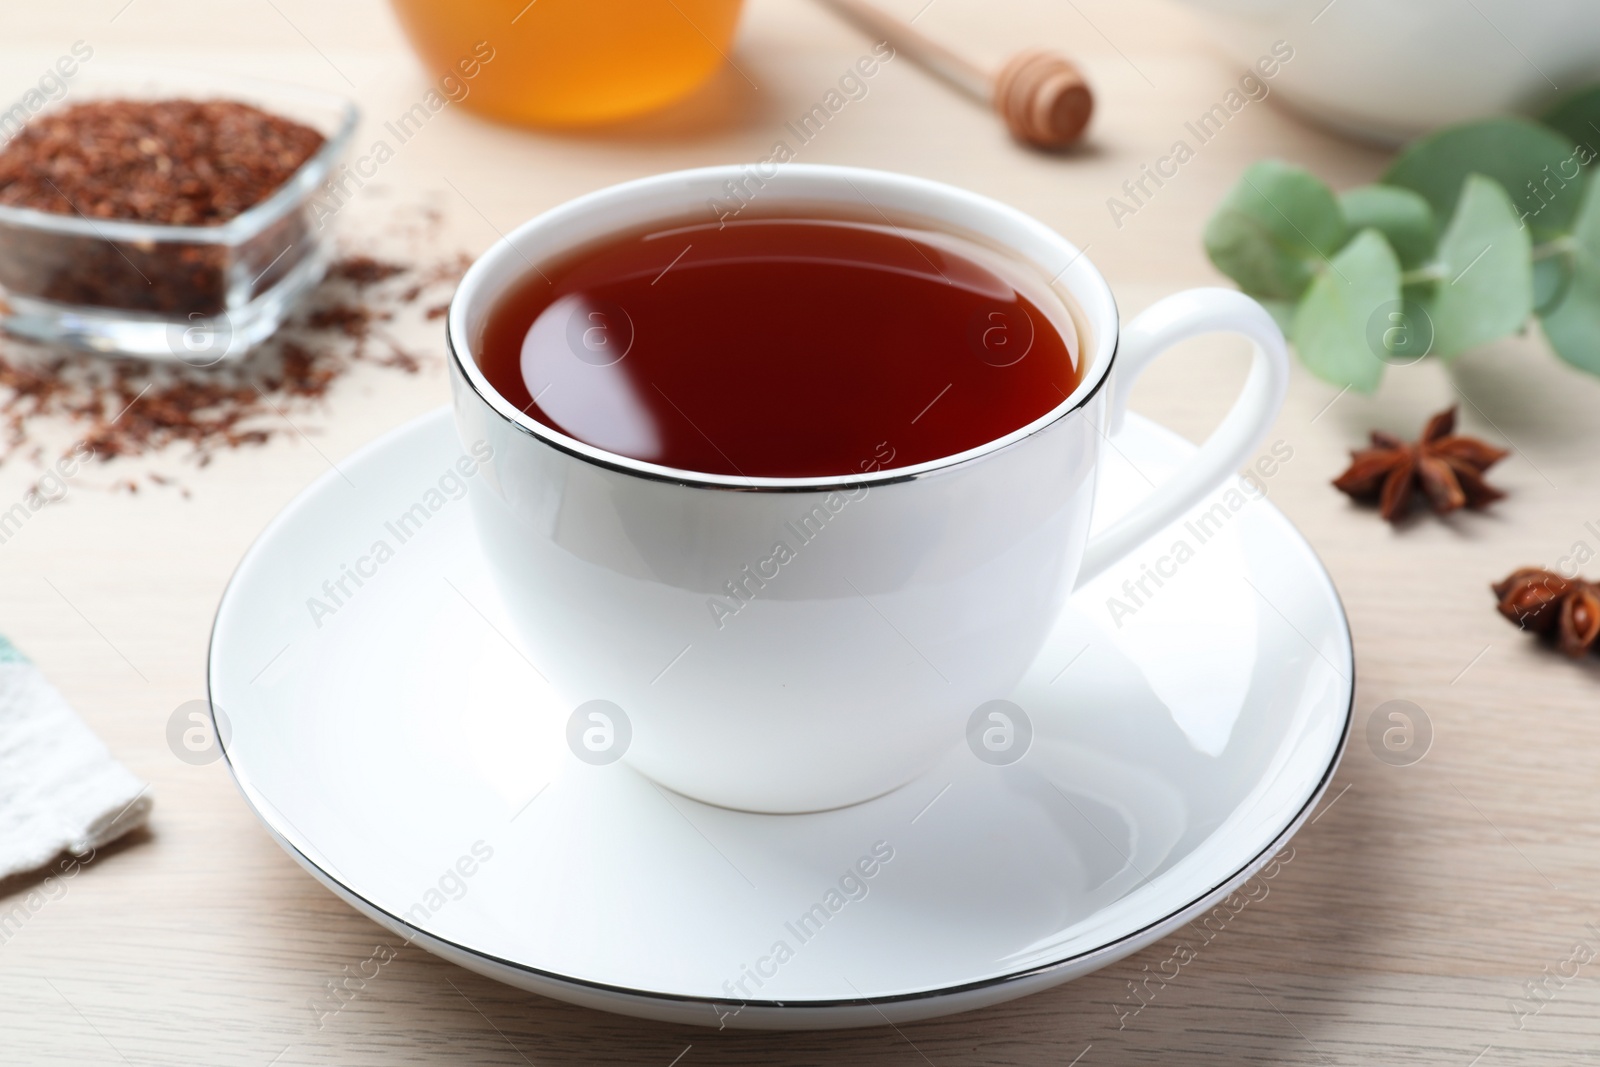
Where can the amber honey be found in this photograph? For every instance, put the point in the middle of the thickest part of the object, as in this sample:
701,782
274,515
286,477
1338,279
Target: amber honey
571,62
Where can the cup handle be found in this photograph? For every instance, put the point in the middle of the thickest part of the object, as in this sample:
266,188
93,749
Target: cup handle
1173,319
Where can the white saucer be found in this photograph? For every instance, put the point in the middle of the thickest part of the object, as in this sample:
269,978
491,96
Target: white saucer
408,755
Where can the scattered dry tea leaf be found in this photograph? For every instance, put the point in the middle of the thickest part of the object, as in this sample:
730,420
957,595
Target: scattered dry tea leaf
130,408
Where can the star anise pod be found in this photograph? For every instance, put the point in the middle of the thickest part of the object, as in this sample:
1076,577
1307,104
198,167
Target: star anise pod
1564,610
1445,466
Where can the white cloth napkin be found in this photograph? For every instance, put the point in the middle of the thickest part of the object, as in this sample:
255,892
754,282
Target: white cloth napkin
60,789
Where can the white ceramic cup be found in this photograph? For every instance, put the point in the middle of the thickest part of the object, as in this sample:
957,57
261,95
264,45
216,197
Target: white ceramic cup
908,597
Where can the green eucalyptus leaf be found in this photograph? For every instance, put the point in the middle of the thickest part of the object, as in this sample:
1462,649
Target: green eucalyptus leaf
1402,216
1534,164
1573,326
1282,312
1485,289
1332,325
1274,228
1551,276
1578,117
1404,332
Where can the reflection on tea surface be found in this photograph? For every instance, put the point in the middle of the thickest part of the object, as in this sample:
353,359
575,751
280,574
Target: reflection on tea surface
782,347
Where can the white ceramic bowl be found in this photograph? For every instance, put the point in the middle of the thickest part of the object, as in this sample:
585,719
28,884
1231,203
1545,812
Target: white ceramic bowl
1387,71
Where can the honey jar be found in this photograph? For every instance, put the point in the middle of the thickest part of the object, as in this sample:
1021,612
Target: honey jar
569,62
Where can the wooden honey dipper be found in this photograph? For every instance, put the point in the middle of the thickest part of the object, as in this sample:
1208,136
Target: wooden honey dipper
1042,96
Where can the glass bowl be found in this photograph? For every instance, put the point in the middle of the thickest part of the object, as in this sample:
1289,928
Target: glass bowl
198,294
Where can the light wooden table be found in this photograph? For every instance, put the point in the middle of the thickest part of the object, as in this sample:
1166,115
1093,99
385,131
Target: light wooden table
1420,901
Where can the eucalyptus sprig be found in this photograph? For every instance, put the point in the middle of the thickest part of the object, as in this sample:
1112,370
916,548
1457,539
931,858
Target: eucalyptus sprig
1370,277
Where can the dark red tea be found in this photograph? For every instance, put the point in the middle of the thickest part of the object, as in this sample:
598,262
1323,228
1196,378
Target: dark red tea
782,347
